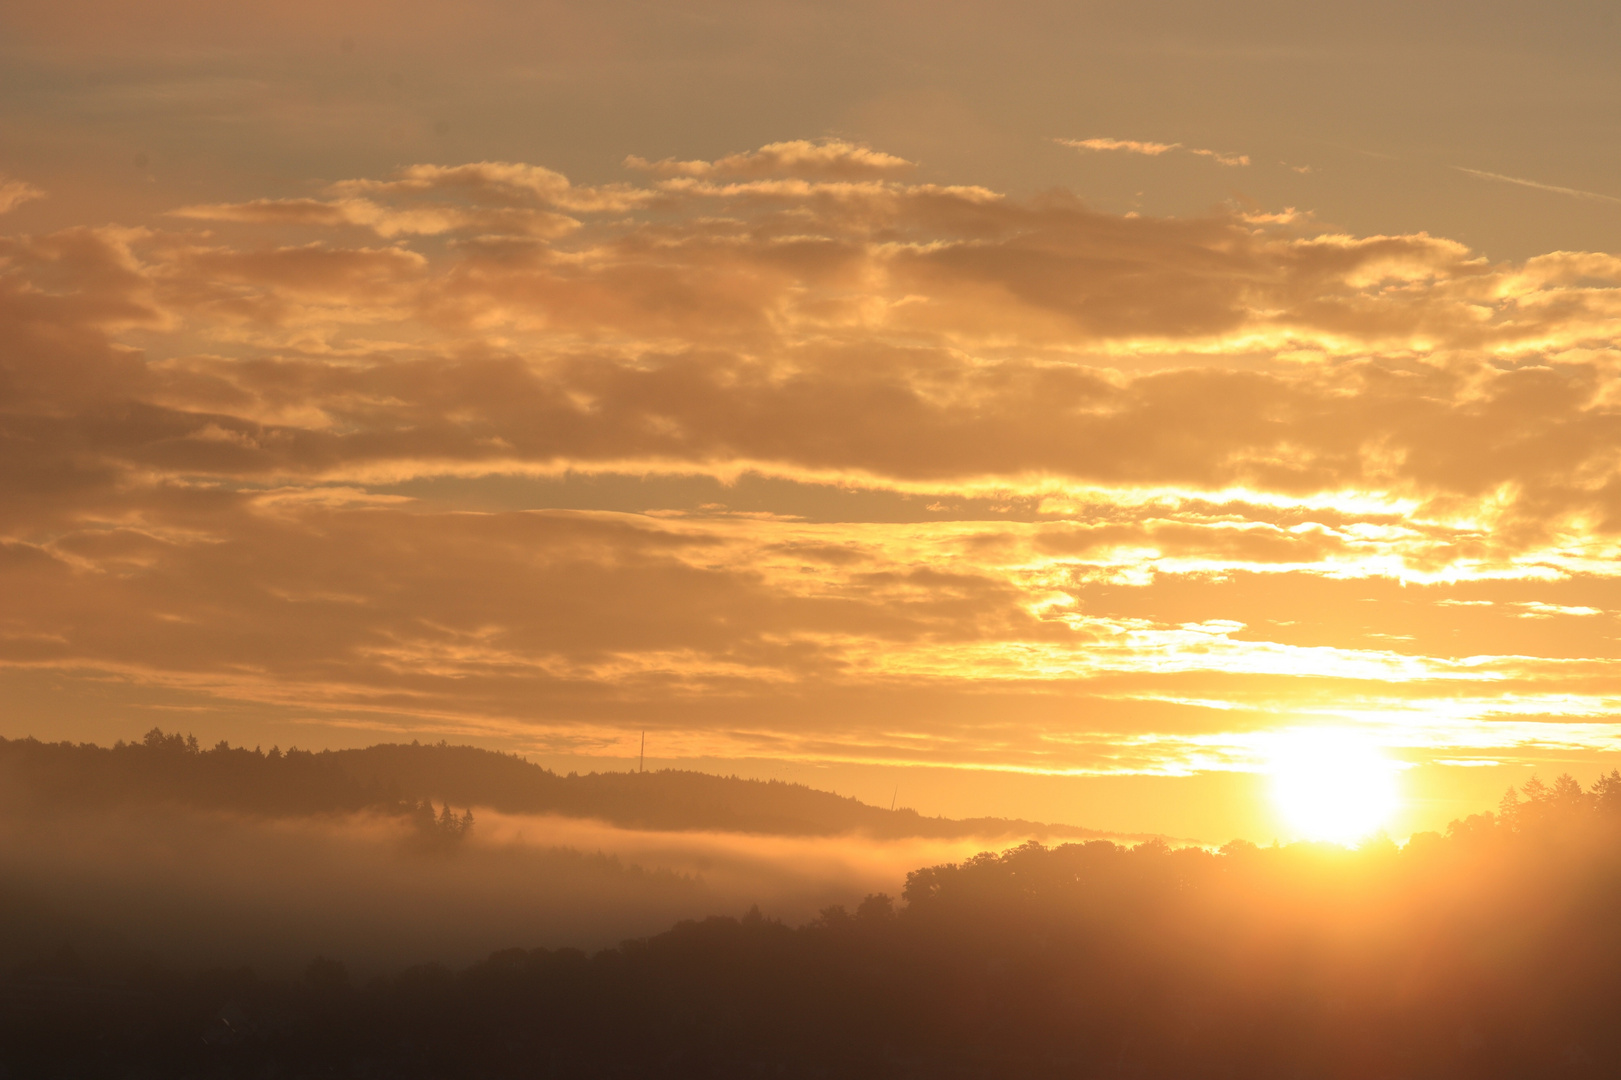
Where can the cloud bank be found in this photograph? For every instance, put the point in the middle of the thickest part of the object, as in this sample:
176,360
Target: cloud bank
1211,475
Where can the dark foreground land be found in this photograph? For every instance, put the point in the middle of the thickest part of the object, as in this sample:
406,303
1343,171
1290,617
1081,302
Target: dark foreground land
1493,951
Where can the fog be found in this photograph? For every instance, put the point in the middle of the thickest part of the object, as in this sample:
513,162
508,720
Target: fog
197,888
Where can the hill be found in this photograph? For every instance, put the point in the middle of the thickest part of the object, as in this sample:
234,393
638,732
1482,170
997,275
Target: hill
169,768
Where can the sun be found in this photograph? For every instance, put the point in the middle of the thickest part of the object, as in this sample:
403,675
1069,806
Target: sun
1332,784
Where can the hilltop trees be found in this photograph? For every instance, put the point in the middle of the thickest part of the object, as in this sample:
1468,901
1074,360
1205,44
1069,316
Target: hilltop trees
442,831
397,778
1562,804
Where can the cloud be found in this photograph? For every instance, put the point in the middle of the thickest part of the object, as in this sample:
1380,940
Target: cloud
13,193
1152,149
1047,488
486,197
829,159
1221,158
501,182
384,221
1131,146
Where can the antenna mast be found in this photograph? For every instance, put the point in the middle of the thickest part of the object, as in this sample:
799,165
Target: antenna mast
641,758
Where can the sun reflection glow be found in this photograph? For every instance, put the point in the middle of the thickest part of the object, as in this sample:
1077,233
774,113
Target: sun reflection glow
1332,784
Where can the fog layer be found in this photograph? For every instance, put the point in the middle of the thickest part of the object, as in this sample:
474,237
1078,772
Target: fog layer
204,888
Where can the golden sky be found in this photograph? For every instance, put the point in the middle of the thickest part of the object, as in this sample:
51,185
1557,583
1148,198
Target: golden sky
1037,408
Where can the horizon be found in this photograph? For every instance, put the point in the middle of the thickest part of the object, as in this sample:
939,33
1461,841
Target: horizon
1068,831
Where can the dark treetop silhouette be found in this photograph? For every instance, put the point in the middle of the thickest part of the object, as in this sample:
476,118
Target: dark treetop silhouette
174,768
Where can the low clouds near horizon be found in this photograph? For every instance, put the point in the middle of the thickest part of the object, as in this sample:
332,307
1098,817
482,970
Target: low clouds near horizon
1149,487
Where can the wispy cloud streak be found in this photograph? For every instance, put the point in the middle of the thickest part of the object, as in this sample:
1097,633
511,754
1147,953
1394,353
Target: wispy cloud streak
1152,149
1538,186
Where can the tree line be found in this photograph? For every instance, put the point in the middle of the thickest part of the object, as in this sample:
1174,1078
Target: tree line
168,767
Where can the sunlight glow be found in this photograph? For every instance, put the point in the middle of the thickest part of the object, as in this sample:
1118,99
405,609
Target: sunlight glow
1332,784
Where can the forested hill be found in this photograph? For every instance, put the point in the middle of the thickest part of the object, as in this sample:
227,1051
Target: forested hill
174,769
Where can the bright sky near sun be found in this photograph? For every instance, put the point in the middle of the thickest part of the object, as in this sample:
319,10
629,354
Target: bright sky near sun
1151,416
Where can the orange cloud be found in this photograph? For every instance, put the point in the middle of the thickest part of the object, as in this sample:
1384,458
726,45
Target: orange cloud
419,220
1152,149
14,193
829,159
500,182
1044,488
